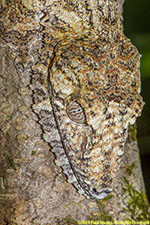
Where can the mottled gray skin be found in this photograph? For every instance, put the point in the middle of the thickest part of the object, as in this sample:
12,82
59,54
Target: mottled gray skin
78,57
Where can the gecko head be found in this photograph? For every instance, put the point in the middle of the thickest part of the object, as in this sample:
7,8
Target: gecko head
94,100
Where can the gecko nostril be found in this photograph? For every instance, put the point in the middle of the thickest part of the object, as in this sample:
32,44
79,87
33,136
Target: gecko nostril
94,190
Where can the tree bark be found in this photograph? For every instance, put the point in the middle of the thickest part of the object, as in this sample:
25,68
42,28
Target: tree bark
33,190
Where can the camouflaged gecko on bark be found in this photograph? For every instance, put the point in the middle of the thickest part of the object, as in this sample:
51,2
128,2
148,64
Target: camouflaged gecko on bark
85,81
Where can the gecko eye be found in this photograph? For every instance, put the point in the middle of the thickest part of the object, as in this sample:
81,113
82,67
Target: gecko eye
76,113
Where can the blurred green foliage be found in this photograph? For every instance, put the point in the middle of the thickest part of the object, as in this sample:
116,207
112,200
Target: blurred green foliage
137,27
136,16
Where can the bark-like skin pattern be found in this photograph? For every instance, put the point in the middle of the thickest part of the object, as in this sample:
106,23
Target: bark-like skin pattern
85,81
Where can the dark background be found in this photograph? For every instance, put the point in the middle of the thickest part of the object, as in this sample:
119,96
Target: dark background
137,28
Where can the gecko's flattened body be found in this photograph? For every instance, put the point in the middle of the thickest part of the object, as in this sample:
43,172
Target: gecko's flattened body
95,98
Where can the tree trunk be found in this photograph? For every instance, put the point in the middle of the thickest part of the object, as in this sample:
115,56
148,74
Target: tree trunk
38,41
